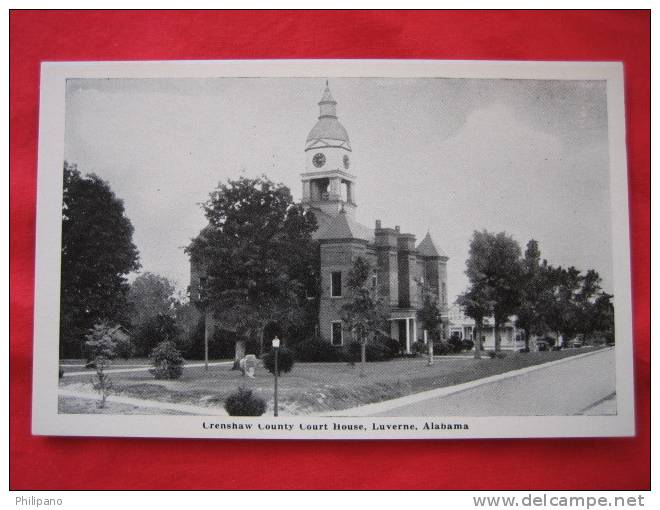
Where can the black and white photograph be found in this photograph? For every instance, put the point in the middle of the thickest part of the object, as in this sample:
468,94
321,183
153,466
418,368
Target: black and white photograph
328,249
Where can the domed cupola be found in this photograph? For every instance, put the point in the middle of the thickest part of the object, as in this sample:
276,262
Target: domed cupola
328,131
328,181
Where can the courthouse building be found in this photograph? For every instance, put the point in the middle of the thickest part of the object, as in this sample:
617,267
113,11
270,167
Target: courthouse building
403,268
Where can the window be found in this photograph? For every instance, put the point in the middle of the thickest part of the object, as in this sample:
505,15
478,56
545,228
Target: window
336,337
444,293
336,284
374,282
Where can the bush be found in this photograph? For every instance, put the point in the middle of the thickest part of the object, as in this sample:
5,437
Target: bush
317,350
391,345
243,403
284,360
377,350
419,347
468,345
455,343
167,361
441,348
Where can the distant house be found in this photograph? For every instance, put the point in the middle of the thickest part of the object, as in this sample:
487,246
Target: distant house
511,337
120,334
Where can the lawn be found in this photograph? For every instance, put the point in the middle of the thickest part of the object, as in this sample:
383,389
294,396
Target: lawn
312,388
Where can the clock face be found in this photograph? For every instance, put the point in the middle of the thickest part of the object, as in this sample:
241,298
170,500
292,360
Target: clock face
347,161
318,159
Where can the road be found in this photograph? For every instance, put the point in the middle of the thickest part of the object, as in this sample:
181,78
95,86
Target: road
565,387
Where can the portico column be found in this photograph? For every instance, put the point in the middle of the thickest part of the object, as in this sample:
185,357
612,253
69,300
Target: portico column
408,351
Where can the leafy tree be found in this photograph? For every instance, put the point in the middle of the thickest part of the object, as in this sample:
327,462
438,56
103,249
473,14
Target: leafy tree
429,315
364,314
97,254
150,295
561,311
259,257
477,303
601,317
494,265
534,293
157,329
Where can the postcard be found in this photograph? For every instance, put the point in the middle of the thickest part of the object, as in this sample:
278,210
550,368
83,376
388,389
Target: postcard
332,249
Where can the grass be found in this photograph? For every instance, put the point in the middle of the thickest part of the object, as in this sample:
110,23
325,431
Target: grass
312,388
71,405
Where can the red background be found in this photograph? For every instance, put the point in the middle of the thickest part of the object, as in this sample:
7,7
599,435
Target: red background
77,463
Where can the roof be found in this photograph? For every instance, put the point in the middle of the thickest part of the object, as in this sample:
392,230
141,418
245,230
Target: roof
343,226
328,129
427,248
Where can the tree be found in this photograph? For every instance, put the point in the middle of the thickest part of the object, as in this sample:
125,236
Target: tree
150,295
259,257
561,312
157,329
534,293
494,266
477,303
430,316
364,314
97,254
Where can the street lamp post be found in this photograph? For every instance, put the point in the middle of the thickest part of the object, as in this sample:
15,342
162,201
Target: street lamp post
276,348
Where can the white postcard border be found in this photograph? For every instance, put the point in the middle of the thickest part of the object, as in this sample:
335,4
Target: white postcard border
47,421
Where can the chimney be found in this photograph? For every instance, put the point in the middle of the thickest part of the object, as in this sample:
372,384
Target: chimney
397,228
378,225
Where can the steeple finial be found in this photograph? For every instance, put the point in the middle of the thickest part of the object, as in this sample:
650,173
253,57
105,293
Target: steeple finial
327,105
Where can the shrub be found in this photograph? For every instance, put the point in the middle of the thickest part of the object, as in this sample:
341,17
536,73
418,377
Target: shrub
419,347
167,361
392,346
468,345
377,350
243,403
441,348
317,350
284,360
455,343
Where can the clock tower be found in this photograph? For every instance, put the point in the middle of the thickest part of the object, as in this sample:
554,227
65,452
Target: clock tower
328,183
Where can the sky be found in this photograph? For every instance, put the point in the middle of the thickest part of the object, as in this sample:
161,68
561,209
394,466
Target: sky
448,156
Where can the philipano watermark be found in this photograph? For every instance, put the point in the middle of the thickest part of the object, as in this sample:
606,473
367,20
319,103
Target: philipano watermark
558,501
33,501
